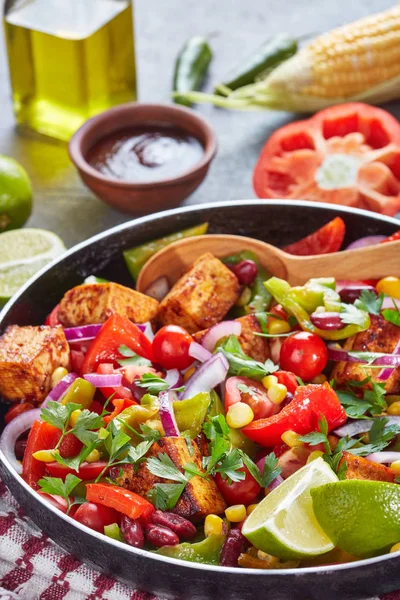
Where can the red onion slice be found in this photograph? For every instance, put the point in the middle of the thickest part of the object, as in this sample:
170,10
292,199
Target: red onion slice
220,330
101,381
327,321
207,376
173,378
354,428
79,334
158,289
198,352
60,389
386,373
167,416
368,240
383,457
147,330
11,433
336,353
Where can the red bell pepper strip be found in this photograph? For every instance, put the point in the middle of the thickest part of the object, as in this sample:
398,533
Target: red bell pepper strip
310,402
328,238
87,471
119,404
128,503
116,331
42,436
288,379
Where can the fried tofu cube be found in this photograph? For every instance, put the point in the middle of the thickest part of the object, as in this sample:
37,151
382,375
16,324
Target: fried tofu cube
253,345
96,302
381,336
28,357
201,297
359,467
200,497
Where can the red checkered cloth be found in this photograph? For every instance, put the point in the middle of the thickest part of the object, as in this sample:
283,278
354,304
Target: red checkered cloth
33,567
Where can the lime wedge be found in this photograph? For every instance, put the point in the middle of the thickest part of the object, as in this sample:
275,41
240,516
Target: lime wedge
361,517
284,524
22,253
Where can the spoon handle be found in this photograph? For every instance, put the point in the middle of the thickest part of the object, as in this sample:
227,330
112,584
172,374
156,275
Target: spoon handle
372,262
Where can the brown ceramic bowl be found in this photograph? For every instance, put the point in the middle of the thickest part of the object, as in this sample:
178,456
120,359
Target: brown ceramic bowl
142,198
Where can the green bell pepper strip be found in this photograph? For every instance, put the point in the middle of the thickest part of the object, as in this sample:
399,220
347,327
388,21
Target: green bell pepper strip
281,291
206,551
260,298
135,258
114,532
190,414
80,392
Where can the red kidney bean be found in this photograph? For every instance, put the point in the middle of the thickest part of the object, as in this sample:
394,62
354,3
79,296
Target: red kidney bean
235,544
246,271
20,447
132,532
327,321
158,535
183,528
350,293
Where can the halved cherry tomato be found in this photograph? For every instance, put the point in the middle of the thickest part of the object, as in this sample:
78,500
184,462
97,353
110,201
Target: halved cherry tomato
128,503
96,516
171,347
116,331
86,472
288,379
331,158
304,354
252,393
238,492
328,238
42,436
16,410
52,318
310,402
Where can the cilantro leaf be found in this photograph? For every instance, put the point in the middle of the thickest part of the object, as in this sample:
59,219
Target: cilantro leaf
132,358
136,453
350,315
314,438
76,461
216,426
165,496
241,364
271,470
84,424
55,485
57,414
354,406
155,384
218,449
162,466
392,316
369,302
191,469
229,466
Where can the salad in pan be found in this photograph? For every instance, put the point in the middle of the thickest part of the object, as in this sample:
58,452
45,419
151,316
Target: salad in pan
232,419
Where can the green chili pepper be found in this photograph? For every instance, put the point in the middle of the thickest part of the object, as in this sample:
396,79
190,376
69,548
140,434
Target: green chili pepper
135,258
267,57
113,531
190,414
282,292
206,552
191,67
260,297
80,392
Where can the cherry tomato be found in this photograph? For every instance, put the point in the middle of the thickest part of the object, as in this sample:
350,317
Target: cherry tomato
304,354
171,347
96,516
238,492
243,389
16,410
87,471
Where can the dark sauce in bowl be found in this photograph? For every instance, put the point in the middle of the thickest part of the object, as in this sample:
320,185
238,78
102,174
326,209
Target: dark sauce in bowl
145,154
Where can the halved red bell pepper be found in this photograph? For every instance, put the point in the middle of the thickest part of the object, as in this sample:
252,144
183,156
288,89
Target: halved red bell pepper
42,436
288,379
310,402
128,503
328,238
86,472
119,404
116,331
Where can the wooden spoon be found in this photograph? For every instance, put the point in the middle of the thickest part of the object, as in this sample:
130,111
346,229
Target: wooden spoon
371,262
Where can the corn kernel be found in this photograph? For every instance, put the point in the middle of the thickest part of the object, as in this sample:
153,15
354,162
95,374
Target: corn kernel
291,439
395,466
389,286
188,373
277,393
57,375
269,380
239,415
236,513
213,525
394,409
94,456
244,297
46,456
277,326
321,378
395,548
314,455
74,417
250,508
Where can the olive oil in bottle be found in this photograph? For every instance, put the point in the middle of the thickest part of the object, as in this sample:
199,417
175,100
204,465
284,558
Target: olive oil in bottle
69,60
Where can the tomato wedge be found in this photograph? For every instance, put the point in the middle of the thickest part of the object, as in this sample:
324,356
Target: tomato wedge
87,471
347,154
42,436
128,503
310,402
328,238
116,331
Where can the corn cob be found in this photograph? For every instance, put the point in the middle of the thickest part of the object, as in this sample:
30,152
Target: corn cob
356,62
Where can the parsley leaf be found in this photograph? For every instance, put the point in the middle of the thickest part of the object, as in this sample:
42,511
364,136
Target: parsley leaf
165,496
162,466
241,364
369,302
155,384
271,470
229,466
85,423
392,316
354,406
350,315
132,358
55,485
57,414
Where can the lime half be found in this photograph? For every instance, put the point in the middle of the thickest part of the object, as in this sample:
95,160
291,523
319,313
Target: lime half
284,524
361,517
22,253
